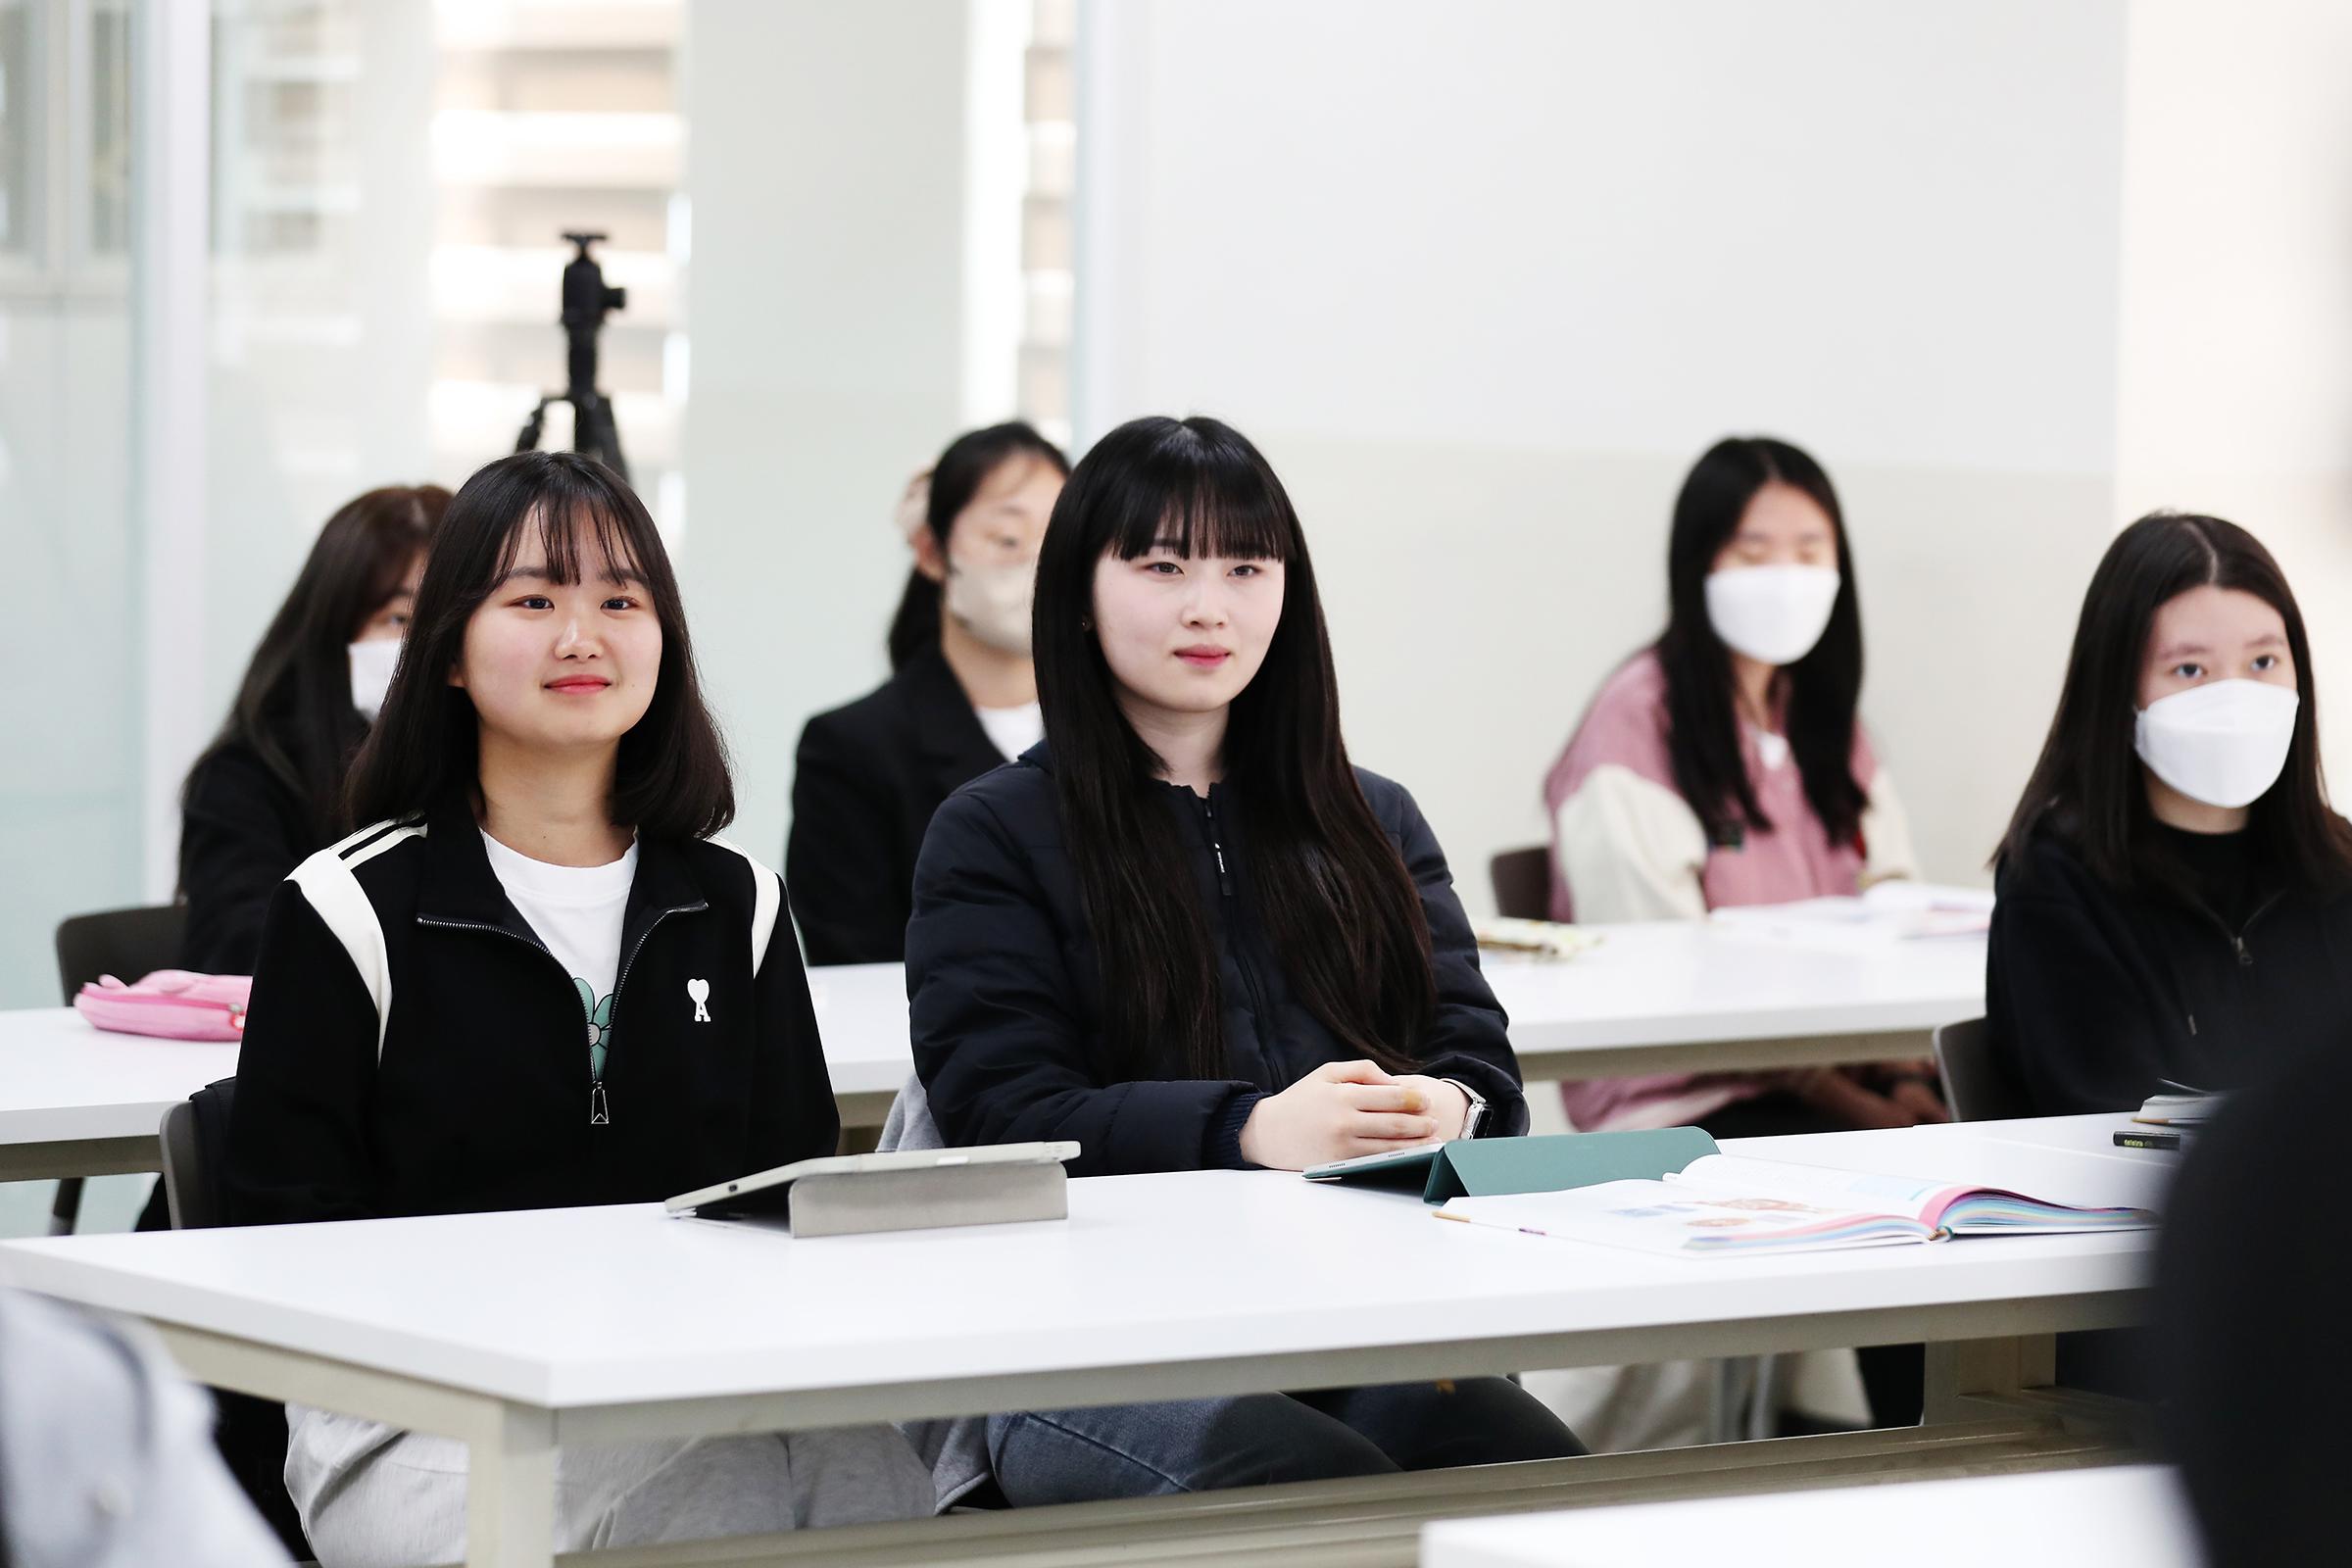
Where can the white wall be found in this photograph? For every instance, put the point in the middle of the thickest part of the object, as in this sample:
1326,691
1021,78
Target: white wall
827,169
1484,278
2236,394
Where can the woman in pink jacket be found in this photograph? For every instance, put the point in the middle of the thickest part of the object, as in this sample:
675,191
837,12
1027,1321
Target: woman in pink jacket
1725,764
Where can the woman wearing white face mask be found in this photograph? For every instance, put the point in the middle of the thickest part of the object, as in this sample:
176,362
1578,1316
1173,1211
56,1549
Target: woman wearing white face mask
2172,887
962,698
1725,764
268,791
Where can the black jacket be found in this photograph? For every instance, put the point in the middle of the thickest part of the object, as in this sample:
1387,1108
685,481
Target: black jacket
867,780
1006,993
478,1096
241,829
2094,996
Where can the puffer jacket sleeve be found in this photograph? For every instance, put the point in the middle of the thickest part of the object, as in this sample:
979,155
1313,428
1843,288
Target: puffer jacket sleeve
1002,1051
1470,1041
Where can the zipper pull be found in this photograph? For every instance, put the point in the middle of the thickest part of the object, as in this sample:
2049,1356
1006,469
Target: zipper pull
1216,847
598,1113
2245,959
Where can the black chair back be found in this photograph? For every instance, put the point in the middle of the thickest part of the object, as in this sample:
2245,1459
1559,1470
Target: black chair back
123,943
1975,1084
1522,881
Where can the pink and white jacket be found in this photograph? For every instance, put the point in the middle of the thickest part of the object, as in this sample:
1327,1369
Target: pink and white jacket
1627,847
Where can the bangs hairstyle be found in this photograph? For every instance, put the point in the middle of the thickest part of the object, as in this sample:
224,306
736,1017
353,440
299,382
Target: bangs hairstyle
1327,886
293,709
1824,687
671,779
971,460
2089,787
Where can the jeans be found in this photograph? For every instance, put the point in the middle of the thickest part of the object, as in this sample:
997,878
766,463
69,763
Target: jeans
1138,1451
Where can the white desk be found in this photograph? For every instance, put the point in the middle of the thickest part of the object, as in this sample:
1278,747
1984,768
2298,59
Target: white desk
79,1102
861,1014
76,1101
1675,996
1687,995
471,1325
2123,1514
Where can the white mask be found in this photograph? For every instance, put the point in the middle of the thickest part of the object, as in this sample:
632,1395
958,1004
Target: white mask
993,602
371,665
2222,743
1774,614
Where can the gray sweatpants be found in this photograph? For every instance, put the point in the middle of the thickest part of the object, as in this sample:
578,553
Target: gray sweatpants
375,1497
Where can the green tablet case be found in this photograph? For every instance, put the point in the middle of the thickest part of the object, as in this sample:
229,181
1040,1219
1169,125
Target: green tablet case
1486,1168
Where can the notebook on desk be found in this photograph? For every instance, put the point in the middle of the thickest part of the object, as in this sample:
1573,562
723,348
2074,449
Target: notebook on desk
1728,1204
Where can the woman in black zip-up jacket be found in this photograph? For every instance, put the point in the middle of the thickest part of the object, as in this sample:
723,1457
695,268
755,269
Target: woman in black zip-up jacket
2173,888
539,980
1187,934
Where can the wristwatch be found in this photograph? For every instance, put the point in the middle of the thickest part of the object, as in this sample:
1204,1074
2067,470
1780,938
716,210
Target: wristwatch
1478,1106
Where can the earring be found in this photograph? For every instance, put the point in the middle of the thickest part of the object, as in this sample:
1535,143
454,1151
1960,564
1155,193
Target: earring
1085,623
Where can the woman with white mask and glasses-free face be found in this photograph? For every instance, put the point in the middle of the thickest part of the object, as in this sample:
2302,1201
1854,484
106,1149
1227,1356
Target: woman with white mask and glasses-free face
2172,886
1725,764
268,790
962,698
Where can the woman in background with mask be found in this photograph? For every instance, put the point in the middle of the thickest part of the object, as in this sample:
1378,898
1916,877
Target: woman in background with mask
2173,885
962,698
267,793
1725,764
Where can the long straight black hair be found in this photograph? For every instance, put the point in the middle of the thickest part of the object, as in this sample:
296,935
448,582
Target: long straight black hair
2089,787
671,779
970,461
1702,706
293,709
1330,890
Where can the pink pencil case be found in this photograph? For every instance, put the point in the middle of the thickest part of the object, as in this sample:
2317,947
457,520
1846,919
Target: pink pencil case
175,1004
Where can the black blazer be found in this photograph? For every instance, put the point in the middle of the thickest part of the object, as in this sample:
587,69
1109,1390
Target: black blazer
867,780
1005,988
241,829
2093,996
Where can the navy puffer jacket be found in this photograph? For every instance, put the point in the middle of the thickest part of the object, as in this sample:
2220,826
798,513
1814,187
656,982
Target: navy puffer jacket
1005,989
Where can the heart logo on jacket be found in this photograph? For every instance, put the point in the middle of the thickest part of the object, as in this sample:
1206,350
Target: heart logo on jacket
700,991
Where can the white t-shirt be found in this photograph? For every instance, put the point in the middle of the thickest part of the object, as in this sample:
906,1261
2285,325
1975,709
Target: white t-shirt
1013,730
576,911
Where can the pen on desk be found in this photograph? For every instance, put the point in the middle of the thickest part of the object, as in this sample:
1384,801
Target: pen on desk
2131,1139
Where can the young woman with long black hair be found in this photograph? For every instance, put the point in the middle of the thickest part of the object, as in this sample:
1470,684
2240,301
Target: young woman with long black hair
538,980
1186,933
2173,885
961,700
268,790
1727,765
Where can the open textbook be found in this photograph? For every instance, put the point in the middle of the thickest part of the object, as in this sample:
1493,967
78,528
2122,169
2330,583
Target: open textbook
1720,1205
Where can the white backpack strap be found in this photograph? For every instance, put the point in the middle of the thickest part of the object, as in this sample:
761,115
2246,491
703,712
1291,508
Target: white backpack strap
767,902
342,905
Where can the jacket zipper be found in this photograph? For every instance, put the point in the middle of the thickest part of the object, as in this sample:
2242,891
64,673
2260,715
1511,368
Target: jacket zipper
2237,938
600,1111
1241,957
